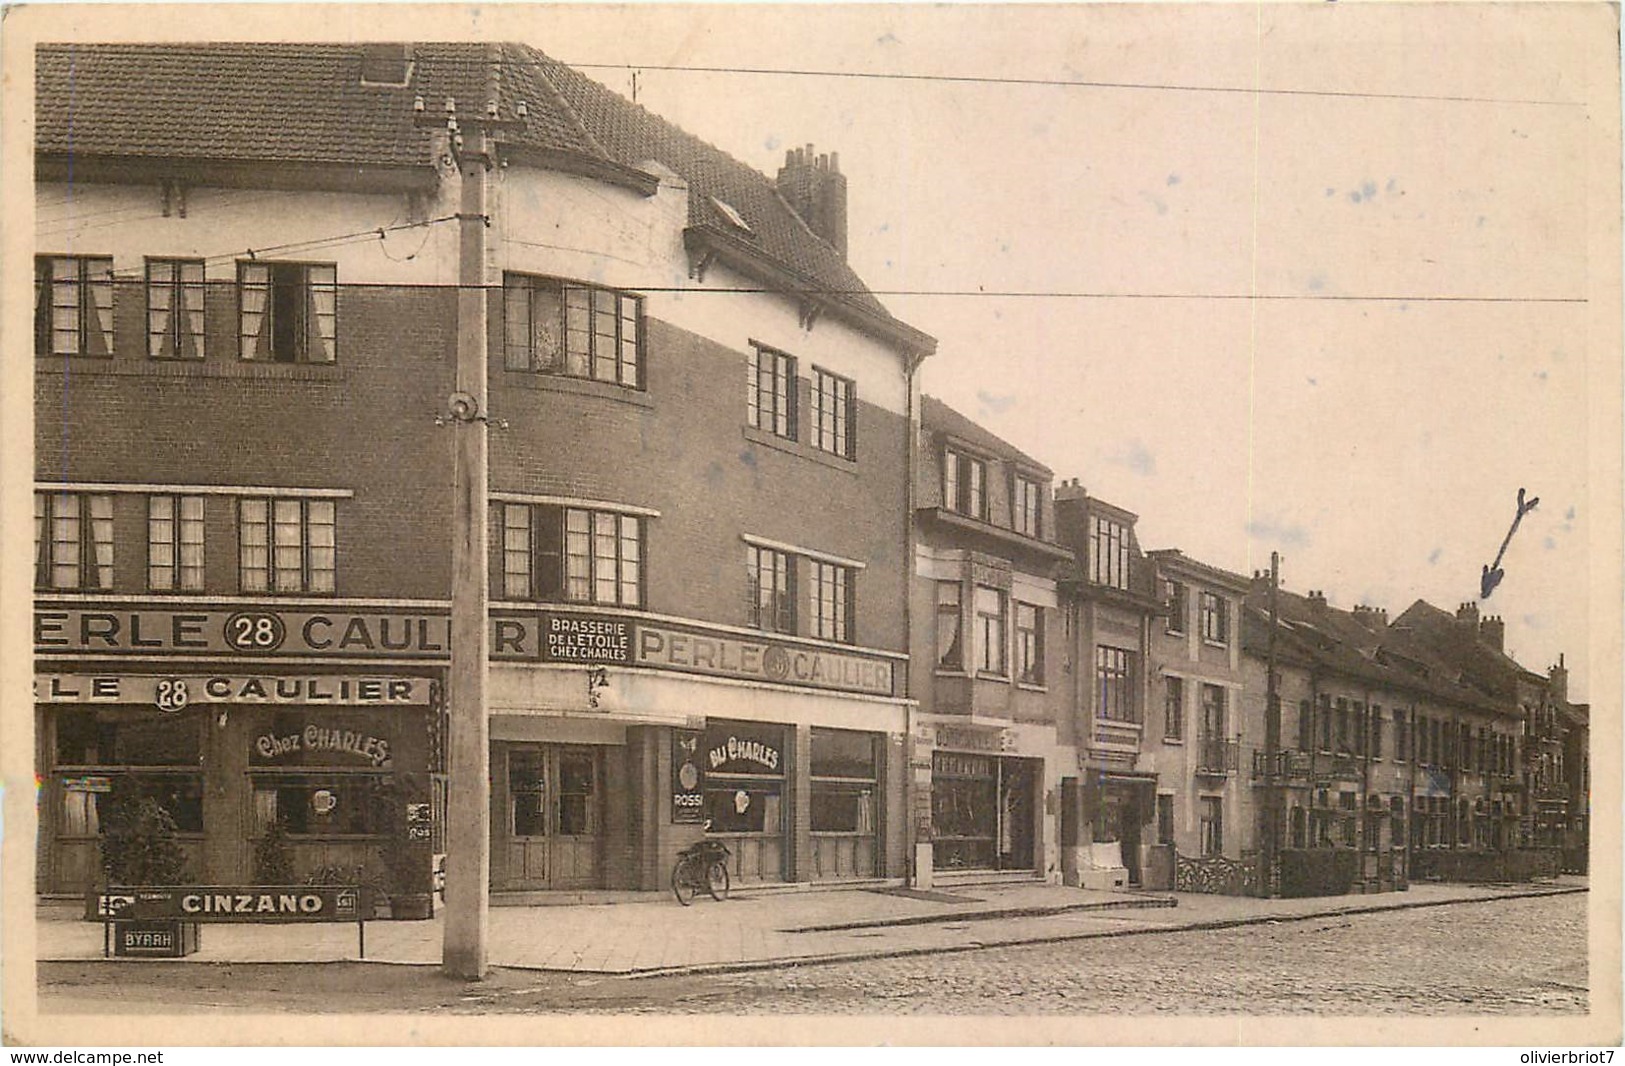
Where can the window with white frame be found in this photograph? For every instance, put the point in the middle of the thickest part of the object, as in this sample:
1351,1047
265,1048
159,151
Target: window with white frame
73,540
834,429
175,308
770,391
1029,644
175,543
287,312
771,577
1108,552
1027,506
1215,618
990,630
580,331
73,305
286,544
576,554
831,601
964,484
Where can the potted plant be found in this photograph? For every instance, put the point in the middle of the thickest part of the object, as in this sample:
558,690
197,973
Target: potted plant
139,849
273,860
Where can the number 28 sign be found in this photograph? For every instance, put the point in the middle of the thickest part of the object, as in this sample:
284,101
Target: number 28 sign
255,631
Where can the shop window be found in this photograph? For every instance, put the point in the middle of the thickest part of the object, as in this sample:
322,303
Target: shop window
338,804
108,756
73,540
844,776
1114,684
1029,644
990,634
288,312
1212,825
89,802
950,621
770,391
579,331
964,810
175,543
286,544
1173,708
744,777
175,308
834,429
73,305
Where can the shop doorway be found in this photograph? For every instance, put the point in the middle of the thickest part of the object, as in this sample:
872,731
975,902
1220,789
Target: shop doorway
546,804
983,811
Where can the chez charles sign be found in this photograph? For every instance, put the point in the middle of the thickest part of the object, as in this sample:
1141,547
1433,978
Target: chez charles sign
548,636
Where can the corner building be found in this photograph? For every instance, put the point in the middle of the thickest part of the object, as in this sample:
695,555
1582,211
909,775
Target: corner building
698,491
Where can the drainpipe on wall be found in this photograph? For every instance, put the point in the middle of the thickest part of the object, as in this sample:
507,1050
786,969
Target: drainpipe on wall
917,853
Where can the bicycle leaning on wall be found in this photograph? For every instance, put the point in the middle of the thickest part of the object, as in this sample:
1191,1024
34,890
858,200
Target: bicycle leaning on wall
701,866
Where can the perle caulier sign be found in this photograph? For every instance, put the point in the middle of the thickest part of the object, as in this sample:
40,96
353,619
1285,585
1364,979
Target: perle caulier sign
175,693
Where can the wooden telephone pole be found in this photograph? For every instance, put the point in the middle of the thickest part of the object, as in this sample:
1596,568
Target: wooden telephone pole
1269,875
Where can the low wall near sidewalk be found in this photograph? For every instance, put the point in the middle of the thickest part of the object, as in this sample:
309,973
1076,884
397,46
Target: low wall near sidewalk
1216,875
1318,871
1471,867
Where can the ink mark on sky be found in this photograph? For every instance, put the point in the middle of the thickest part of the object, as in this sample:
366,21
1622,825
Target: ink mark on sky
1433,556
1137,457
996,404
1493,573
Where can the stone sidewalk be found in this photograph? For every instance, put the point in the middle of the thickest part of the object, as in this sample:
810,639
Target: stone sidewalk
753,929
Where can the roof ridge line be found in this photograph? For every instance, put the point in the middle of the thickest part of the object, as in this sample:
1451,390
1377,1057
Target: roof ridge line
544,75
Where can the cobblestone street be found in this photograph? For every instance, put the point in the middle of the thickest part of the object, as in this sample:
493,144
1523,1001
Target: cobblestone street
1511,957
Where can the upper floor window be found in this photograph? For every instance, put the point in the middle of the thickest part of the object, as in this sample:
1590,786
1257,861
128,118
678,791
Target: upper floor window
1108,552
832,601
73,540
1178,606
990,631
175,308
1215,618
1029,644
580,331
1027,506
834,430
287,312
1173,708
964,484
286,544
551,552
73,305
175,543
1213,712
770,391
950,621
771,578
1114,678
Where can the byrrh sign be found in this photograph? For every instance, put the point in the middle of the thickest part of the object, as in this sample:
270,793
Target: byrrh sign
71,631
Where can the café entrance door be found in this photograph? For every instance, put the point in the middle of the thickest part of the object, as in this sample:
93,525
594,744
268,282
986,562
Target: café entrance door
545,816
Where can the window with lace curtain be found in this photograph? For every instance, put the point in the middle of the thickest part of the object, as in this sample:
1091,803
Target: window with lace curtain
175,308
73,540
287,312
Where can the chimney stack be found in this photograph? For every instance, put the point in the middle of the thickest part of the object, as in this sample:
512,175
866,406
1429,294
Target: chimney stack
815,189
1373,618
1317,600
1069,490
1559,681
1467,615
1493,631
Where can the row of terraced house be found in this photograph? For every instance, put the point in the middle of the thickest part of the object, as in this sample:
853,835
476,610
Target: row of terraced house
823,617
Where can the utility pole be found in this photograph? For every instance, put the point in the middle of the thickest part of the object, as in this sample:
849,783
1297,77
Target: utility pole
468,804
1272,749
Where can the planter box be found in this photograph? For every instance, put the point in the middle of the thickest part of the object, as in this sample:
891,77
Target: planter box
154,939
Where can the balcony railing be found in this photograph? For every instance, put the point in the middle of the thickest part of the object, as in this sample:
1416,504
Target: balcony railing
1217,757
1290,765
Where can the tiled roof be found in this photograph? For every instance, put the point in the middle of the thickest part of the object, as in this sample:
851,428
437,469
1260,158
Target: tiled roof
938,417
307,103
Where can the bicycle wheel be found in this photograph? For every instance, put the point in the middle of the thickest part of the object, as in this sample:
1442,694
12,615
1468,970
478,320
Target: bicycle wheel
716,880
682,883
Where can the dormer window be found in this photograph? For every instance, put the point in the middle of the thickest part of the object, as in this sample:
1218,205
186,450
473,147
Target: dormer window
1027,506
386,64
964,484
1108,552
